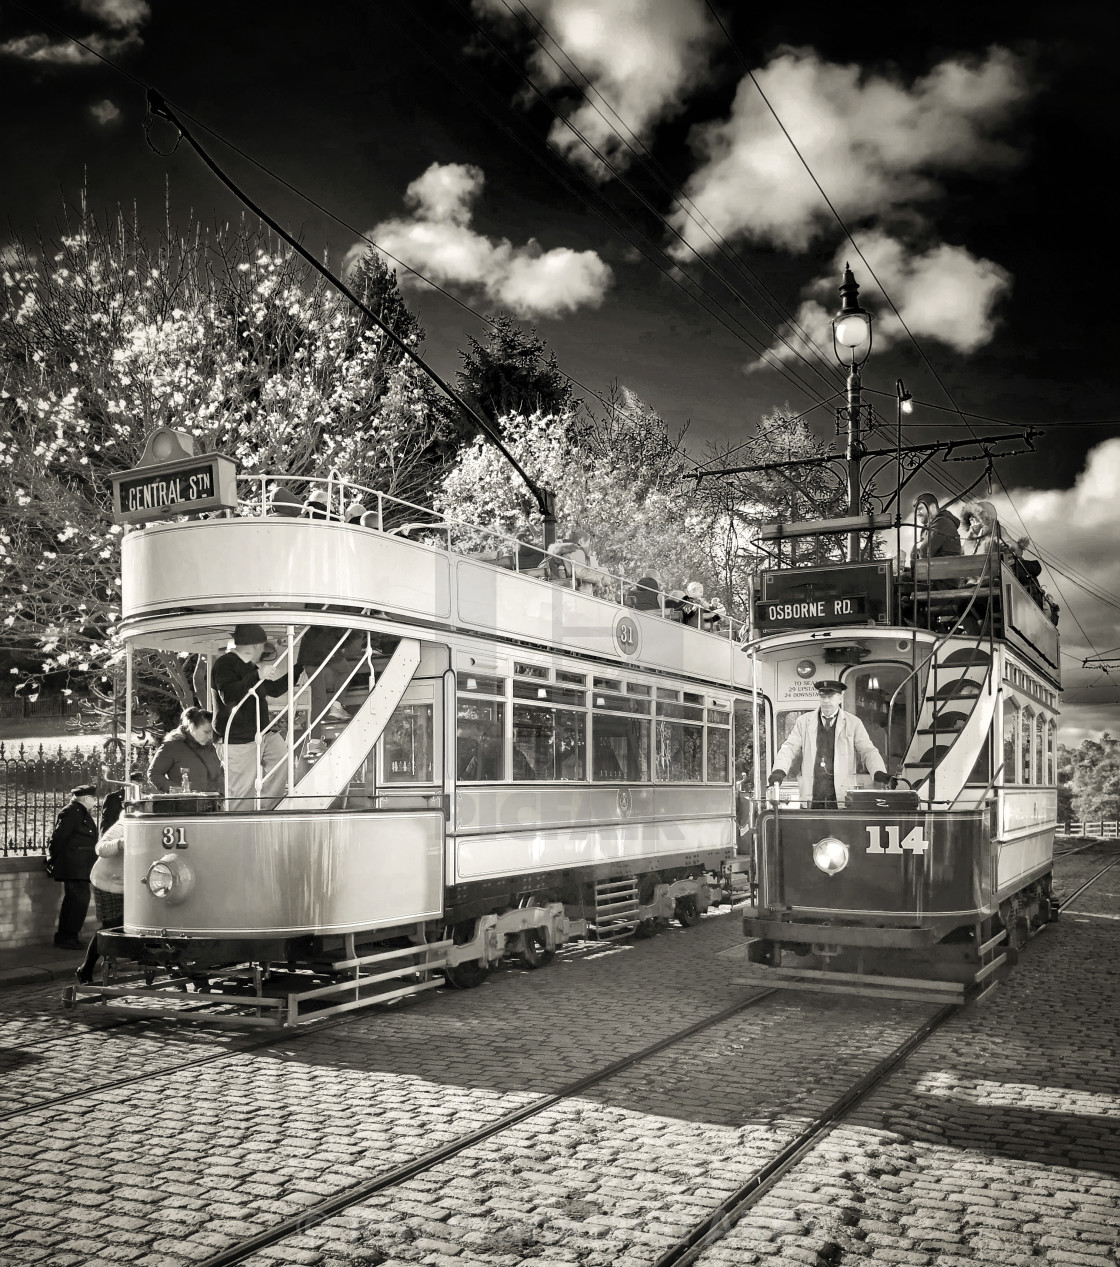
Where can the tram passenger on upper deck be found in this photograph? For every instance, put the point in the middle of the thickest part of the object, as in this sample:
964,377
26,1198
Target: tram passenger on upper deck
576,562
646,594
828,741
235,677
938,530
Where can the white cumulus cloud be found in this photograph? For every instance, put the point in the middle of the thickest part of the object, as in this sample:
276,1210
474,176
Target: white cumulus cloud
437,240
125,17
117,13
642,59
874,143
944,293
1077,529
105,111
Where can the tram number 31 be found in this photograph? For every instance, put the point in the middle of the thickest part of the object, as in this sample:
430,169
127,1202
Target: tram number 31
914,841
176,838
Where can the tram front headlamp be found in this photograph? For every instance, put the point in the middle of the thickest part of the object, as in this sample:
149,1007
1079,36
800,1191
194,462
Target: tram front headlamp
170,879
830,855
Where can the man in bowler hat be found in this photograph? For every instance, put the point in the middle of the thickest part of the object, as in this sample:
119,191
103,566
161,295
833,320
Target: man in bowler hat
828,741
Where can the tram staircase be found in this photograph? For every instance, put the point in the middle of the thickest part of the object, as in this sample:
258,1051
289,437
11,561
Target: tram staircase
616,908
329,777
954,720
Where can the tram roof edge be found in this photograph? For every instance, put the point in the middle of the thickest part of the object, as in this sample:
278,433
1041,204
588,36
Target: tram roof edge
825,527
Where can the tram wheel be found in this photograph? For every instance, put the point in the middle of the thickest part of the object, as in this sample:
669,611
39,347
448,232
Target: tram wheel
535,951
686,911
469,975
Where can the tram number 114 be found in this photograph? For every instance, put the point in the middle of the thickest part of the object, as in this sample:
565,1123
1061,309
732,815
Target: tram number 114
914,841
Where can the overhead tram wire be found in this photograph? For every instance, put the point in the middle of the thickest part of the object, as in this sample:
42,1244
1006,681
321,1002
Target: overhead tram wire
641,198
848,234
641,151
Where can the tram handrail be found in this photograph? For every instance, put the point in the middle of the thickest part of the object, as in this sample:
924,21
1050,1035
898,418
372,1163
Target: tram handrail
988,571
348,491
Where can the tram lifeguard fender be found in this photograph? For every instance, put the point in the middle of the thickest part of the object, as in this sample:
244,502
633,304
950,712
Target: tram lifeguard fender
860,935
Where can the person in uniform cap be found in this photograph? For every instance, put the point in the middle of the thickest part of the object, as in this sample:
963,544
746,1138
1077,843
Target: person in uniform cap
234,678
828,741
70,858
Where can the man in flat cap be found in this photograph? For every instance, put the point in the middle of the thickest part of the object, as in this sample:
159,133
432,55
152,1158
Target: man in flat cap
828,741
235,678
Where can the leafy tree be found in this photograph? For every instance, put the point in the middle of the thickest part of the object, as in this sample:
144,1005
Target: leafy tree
105,336
512,374
1093,777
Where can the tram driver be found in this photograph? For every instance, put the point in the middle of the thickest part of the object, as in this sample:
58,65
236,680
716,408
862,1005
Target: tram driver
827,740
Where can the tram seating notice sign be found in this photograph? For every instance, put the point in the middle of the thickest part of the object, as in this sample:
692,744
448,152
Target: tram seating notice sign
844,594
188,486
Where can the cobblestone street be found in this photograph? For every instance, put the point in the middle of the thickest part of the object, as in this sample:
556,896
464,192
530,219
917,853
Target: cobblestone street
998,1141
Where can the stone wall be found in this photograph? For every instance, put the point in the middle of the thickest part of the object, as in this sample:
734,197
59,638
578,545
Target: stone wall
29,902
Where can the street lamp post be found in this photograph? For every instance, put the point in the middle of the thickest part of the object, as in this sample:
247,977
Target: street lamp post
851,340
904,404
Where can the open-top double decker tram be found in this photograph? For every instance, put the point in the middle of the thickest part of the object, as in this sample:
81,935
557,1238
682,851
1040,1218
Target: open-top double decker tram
928,889
503,762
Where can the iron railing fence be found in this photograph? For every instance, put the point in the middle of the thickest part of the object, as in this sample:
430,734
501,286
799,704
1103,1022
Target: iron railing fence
35,785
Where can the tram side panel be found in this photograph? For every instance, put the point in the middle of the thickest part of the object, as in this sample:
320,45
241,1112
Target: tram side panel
280,874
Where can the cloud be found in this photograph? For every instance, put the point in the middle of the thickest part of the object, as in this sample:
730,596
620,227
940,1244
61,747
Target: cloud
124,16
120,14
105,111
1076,529
642,57
874,144
438,242
945,293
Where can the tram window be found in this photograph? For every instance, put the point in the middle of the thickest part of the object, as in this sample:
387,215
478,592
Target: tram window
785,723
476,684
690,698
681,712
619,748
620,703
554,694
663,692
573,679
408,745
530,670
721,716
1010,742
1040,749
608,684
638,688
870,689
548,743
719,755
1050,775
1026,729
679,754
479,740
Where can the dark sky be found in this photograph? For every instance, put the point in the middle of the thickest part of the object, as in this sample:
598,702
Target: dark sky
977,139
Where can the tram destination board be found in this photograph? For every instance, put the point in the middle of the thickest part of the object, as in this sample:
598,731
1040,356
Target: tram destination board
185,487
808,598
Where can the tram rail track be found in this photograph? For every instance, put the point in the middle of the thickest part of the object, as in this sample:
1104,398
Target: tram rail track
702,1235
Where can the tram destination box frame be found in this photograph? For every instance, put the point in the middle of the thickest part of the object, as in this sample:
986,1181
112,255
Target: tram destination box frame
816,598
187,486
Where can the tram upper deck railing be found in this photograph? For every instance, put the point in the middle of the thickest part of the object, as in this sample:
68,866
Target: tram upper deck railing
270,560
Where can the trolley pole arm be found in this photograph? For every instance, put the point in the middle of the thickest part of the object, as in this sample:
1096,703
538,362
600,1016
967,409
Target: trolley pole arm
545,498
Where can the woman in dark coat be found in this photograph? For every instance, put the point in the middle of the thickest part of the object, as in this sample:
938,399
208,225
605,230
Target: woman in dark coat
71,854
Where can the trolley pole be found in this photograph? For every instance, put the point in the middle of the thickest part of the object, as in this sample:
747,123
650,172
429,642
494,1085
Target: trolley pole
852,454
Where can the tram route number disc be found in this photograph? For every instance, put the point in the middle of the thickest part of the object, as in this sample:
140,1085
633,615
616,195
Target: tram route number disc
627,636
